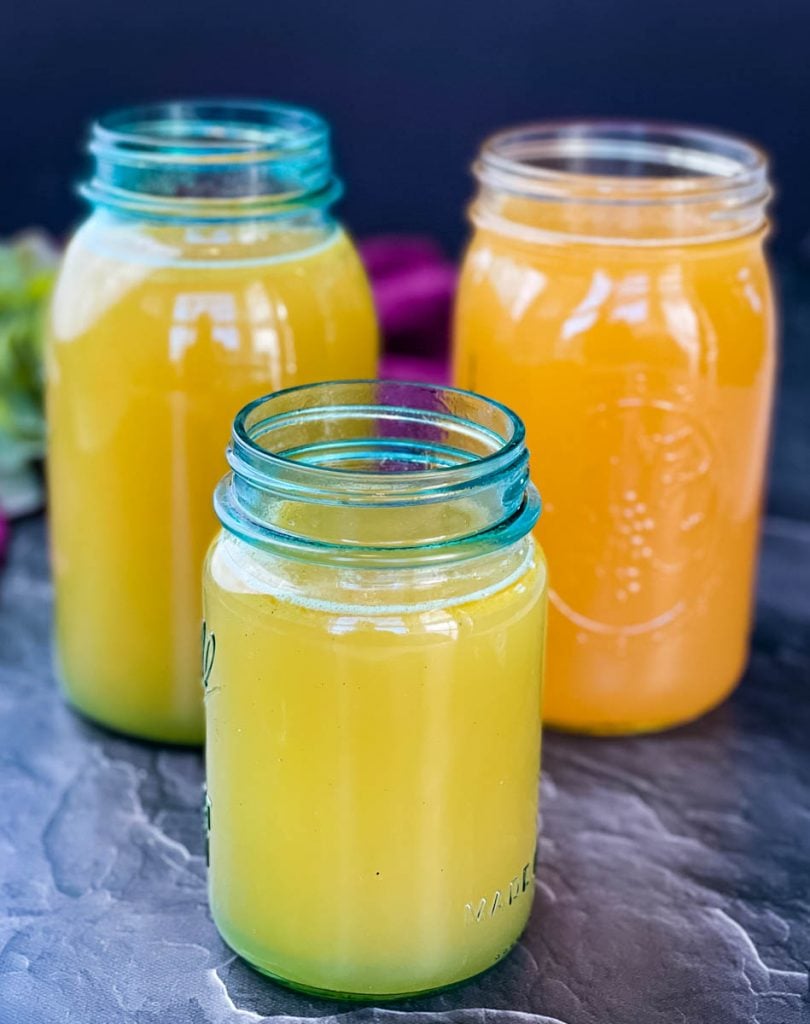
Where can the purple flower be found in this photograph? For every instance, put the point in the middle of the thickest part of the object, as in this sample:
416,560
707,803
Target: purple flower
413,284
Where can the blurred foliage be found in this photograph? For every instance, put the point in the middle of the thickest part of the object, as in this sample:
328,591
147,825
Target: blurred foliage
27,267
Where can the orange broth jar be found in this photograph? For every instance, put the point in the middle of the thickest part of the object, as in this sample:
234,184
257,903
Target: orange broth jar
616,294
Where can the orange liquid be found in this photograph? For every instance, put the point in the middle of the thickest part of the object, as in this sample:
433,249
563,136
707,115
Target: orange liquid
152,351
644,376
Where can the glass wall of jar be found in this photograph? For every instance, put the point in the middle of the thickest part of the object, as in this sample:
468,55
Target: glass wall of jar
210,270
615,293
374,622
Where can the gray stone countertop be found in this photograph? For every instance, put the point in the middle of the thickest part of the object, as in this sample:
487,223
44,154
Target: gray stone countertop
673,883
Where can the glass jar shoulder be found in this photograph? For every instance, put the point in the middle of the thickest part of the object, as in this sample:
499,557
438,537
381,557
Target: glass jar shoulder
490,253
107,243
281,276
438,601
578,298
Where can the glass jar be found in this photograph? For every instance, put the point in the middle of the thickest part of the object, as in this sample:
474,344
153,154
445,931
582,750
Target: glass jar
375,609
210,270
615,293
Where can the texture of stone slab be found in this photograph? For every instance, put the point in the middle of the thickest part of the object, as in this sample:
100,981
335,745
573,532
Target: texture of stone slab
674,874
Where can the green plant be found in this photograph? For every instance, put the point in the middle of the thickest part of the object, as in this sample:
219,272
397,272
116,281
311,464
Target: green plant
27,266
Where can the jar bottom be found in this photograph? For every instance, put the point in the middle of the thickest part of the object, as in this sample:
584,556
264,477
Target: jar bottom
170,736
361,997
352,996
641,726
181,734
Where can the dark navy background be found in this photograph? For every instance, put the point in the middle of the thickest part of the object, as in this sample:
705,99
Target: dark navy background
671,865
410,87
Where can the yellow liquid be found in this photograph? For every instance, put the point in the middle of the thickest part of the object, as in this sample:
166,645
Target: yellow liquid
157,339
644,377
372,771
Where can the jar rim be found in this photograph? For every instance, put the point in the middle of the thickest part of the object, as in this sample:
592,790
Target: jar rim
244,435
211,159
412,449
590,179
692,160
216,129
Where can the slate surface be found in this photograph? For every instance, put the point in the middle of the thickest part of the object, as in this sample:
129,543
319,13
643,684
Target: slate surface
674,878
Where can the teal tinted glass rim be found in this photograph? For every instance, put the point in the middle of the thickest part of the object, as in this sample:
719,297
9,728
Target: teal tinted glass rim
254,465
146,156
218,129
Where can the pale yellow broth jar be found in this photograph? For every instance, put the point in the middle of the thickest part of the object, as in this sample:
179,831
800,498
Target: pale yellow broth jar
374,624
210,270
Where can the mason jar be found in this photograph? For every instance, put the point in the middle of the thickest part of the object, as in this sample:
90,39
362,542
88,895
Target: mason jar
615,293
209,270
372,651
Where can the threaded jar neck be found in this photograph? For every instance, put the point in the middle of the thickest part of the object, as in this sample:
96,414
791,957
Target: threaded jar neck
620,182
211,160
377,473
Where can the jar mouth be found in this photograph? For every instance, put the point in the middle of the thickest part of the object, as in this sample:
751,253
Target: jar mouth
712,175
628,158
412,467
415,437
217,129
215,159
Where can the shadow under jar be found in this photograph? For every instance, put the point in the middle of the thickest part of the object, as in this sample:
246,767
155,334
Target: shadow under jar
616,295
210,270
375,616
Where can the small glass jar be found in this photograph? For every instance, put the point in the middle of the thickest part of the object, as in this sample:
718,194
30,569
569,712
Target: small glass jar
616,295
210,270
372,650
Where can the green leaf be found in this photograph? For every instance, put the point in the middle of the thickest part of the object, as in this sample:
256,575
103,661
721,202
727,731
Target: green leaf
27,268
